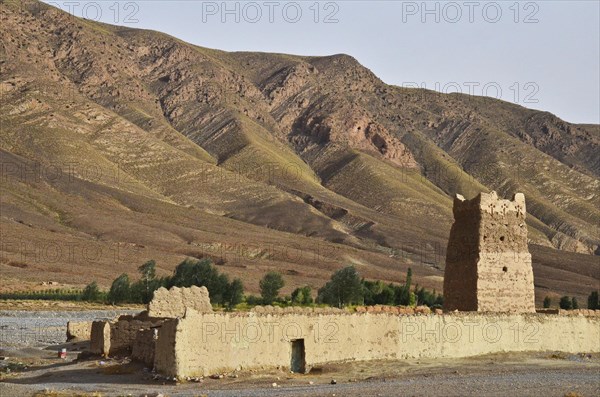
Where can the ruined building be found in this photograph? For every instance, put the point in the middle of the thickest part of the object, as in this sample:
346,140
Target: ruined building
201,343
488,270
488,265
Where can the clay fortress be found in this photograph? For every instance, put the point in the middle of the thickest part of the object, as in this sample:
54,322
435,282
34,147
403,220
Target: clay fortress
489,308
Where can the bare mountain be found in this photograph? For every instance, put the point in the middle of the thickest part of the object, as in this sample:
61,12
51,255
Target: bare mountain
120,145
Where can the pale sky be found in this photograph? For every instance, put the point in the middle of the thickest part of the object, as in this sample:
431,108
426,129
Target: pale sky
539,54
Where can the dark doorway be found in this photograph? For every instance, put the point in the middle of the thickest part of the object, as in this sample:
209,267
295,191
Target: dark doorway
298,364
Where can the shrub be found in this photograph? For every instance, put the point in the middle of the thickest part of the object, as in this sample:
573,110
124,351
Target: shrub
412,299
91,293
378,293
565,303
302,296
253,300
593,301
574,303
547,302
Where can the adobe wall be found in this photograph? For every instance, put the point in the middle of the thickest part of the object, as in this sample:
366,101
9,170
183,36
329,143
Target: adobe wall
201,344
100,338
173,302
488,264
124,332
81,330
143,346
129,334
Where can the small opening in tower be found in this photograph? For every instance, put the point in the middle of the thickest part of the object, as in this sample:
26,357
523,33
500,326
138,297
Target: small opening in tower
504,269
501,238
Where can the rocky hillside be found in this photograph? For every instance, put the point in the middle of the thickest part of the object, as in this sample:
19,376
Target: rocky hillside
120,145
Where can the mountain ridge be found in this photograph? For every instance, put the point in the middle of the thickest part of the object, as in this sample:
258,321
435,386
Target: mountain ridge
317,147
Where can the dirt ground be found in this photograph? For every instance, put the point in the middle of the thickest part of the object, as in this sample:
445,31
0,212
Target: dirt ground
41,372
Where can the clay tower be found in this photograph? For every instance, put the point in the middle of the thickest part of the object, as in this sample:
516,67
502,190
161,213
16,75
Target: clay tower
488,265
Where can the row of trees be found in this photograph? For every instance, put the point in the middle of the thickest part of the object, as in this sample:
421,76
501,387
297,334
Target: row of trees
50,294
201,273
345,287
571,303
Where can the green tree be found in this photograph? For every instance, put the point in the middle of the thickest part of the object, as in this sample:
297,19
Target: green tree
270,285
412,299
344,288
547,302
593,301
119,290
91,292
253,300
386,296
148,270
565,303
404,298
220,287
147,280
378,293
183,274
574,303
302,296
371,289
200,273
234,293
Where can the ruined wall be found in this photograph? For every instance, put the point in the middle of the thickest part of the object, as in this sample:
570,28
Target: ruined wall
143,346
124,332
173,302
165,354
100,338
488,265
129,334
79,330
202,344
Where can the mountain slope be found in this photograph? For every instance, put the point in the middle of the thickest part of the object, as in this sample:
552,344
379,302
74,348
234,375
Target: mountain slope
263,161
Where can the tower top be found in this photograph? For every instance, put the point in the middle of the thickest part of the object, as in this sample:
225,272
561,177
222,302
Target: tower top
490,203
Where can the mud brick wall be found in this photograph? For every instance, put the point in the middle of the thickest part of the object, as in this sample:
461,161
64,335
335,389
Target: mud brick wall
79,330
123,332
100,338
172,303
202,344
488,265
143,346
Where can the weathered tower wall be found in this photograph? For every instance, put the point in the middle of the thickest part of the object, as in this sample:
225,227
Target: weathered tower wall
488,265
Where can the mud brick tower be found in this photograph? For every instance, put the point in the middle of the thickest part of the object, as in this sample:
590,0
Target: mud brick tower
488,265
